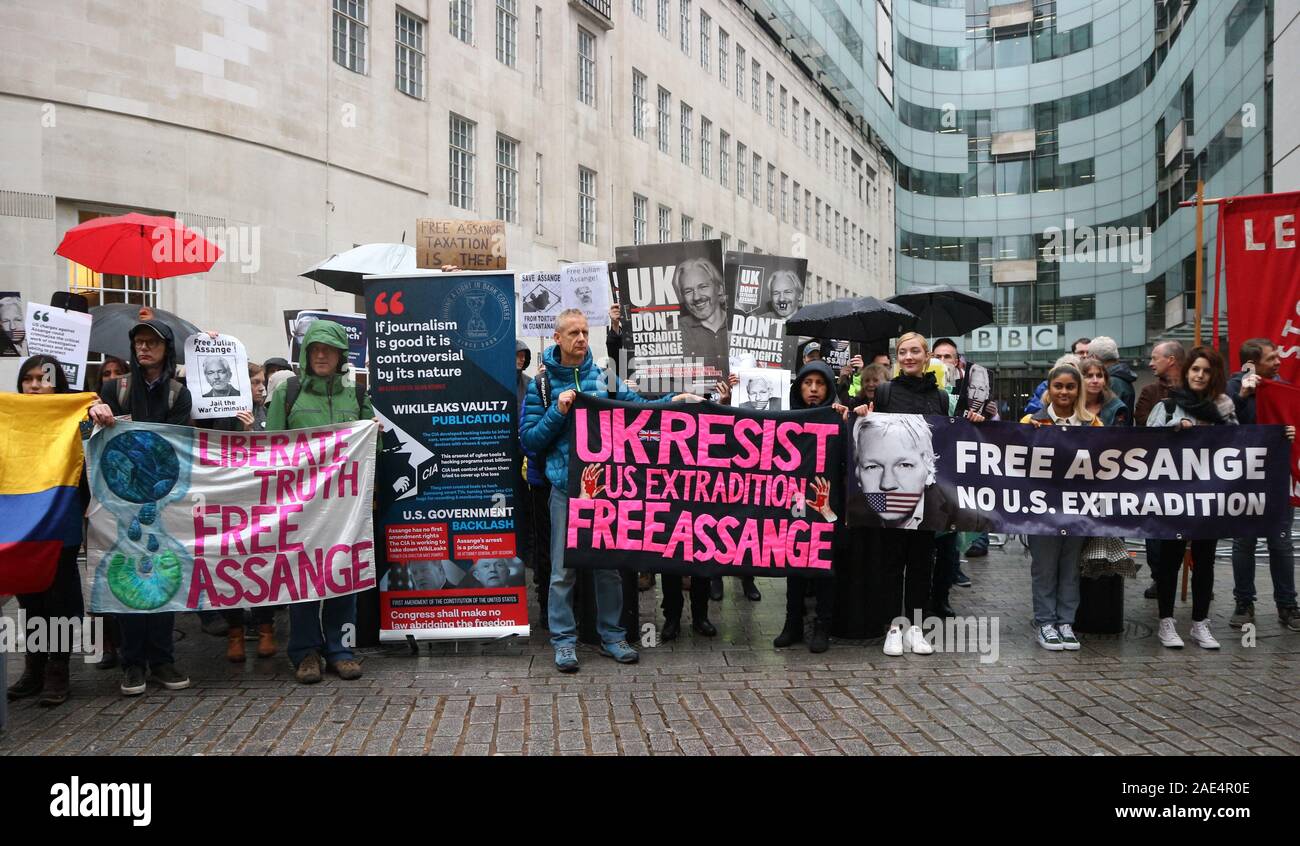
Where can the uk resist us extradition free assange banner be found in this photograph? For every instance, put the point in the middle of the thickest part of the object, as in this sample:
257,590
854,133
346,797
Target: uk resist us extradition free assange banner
938,474
703,489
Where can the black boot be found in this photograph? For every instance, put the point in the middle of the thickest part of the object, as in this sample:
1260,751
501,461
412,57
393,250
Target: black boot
792,633
56,681
820,637
672,628
32,681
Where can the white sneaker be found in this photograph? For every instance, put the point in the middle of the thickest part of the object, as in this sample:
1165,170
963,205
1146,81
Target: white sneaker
1201,635
894,641
1068,640
1049,638
1168,634
914,641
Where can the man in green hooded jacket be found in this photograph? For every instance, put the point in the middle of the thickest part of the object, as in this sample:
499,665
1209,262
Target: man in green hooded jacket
323,398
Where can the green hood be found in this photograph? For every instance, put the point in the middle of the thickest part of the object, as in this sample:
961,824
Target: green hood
322,332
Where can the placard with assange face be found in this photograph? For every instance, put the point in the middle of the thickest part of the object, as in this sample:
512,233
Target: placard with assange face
762,389
585,286
217,372
766,290
893,470
13,311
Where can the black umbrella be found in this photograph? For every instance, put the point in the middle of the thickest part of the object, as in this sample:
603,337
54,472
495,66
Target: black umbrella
109,333
864,319
944,310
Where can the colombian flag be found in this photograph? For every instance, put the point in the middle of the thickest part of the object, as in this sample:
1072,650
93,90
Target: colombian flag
40,466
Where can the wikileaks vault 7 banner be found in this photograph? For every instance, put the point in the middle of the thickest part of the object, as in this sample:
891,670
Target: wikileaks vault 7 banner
703,489
938,473
442,380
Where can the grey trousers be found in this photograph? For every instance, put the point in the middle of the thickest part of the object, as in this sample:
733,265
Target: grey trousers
1054,572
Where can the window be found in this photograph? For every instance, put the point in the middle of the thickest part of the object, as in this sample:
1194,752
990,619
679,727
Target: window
771,188
794,129
350,34
461,163
706,146
785,113
537,47
586,205
665,224
638,8
807,209
586,67
724,54
771,100
756,91
756,177
665,113
706,36
640,205
817,143
807,133
410,54
687,122
795,219
537,191
507,32
818,230
726,242
507,179
687,229
462,20
663,18
724,159
706,232
741,246
638,104
742,166
740,72
684,26
104,288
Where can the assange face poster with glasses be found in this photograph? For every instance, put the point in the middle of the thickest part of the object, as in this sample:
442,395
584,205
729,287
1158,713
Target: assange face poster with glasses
674,303
442,381
216,370
933,473
765,291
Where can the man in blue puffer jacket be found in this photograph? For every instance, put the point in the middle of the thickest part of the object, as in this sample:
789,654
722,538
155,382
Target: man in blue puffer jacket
545,432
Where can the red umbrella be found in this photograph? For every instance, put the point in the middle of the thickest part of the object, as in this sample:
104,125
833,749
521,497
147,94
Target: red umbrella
139,245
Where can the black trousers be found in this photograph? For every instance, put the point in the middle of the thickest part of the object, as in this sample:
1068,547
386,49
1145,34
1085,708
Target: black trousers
258,616
62,598
907,559
534,533
823,591
673,600
946,559
1171,562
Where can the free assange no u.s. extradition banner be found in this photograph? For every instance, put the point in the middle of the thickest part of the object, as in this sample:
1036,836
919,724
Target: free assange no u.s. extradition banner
189,519
703,489
939,473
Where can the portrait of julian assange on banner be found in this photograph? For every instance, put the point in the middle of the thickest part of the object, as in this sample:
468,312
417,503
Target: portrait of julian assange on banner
936,473
443,381
765,291
185,519
675,315
1262,262
217,371
703,489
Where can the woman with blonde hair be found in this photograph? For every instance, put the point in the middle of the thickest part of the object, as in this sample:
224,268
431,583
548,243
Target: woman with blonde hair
1098,398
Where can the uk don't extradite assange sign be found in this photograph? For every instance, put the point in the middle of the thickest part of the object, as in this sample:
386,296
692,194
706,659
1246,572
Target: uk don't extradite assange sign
703,489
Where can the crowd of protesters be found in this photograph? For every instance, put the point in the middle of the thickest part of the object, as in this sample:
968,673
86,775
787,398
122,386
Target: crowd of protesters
1089,387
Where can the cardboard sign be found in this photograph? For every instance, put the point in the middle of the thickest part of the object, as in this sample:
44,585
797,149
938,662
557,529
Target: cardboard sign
468,244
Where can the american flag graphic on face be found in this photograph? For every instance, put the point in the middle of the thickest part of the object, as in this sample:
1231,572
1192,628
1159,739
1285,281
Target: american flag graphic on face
892,503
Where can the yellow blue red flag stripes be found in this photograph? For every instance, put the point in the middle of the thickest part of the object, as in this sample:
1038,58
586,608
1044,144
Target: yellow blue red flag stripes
40,467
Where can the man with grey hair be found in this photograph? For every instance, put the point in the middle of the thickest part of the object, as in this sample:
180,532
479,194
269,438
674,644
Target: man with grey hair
1166,365
1122,377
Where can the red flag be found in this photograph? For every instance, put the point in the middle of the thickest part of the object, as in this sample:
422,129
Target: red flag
1263,264
1276,402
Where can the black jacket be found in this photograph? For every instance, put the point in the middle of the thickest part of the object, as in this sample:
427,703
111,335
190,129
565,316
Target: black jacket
148,404
796,396
911,395
1122,378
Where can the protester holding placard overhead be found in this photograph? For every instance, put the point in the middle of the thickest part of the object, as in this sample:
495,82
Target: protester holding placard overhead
567,370
1200,400
1054,559
321,395
150,393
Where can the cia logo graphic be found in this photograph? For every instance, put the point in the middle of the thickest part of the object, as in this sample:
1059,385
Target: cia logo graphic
481,310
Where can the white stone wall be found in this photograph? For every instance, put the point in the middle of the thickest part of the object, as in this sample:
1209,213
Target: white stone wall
232,112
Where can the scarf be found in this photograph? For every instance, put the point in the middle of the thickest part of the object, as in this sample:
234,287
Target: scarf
1195,406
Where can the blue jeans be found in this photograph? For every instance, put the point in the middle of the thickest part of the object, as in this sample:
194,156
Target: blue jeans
305,628
1281,566
1054,573
146,639
609,587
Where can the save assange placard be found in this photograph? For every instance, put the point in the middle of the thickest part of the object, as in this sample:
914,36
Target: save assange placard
703,489
938,473
187,519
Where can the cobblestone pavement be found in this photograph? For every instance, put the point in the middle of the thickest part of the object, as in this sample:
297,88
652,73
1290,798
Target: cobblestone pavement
731,695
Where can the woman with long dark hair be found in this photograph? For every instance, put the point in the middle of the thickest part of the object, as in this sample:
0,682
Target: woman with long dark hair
46,672
1200,401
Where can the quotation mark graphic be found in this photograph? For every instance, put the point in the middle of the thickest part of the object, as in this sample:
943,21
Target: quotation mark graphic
385,306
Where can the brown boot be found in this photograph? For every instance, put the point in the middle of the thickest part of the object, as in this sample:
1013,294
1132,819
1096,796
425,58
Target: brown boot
32,681
56,681
235,645
266,640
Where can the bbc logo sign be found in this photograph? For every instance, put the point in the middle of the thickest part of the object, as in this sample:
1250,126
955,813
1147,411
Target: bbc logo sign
1015,339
